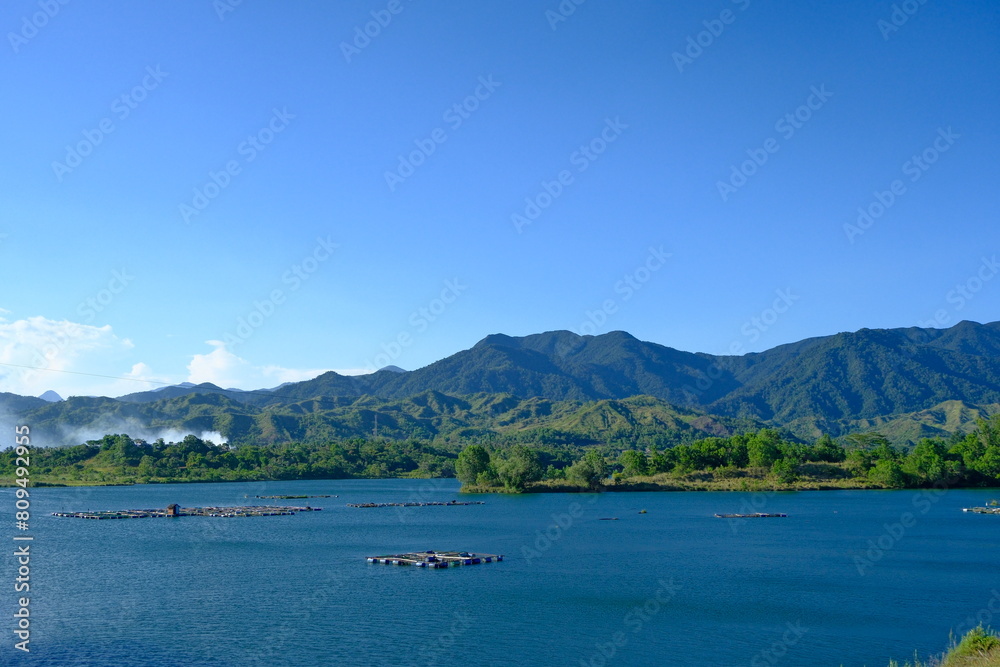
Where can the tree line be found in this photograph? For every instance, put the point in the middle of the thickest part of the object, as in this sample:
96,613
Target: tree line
963,460
118,458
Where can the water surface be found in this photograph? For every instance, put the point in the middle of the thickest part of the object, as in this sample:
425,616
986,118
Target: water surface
673,586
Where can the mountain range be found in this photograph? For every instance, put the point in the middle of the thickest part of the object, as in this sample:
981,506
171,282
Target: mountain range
907,383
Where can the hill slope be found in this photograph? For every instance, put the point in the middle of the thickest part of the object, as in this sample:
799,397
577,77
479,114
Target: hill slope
890,379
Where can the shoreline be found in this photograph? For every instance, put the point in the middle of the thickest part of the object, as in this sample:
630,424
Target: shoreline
543,487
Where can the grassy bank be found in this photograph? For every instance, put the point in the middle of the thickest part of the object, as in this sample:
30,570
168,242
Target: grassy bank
810,477
980,647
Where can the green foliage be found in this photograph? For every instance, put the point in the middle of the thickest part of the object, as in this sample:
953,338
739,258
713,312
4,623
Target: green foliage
553,472
977,642
590,470
927,462
973,460
472,461
784,471
518,467
888,473
633,463
980,647
762,449
119,458
826,449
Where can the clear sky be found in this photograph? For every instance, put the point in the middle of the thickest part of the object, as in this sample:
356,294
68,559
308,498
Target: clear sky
254,193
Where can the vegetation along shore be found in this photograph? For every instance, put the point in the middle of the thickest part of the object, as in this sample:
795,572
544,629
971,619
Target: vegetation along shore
756,460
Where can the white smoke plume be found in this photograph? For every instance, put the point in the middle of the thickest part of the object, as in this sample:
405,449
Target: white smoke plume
134,429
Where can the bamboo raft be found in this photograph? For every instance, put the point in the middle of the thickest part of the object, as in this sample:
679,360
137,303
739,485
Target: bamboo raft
223,512
982,510
436,559
755,515
450,503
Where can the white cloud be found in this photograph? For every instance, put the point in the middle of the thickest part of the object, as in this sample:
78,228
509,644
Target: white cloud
75,359
37,348
226,369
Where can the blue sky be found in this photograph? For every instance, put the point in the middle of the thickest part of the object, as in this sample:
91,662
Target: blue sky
255,193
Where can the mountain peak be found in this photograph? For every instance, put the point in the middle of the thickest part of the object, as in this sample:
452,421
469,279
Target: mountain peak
51,397
499,339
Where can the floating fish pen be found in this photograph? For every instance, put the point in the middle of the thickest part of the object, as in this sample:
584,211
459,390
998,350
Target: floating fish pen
982,510
755,515
436,559
173,511
450,503
289,497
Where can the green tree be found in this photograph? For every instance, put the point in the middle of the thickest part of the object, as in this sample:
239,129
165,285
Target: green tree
988,431
866,440
859,461
519,467
147,466
590,470
634,463
553,472
826,449
784,470
472,461
888,473
762,449
927,461
659,462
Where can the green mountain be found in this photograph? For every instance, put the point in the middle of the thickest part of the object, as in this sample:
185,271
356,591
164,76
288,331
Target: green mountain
860,375
907,383
429,415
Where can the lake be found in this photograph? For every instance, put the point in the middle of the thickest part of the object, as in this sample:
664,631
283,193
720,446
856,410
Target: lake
849,577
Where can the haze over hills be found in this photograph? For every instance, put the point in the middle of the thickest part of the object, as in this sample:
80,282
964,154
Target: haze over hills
911,382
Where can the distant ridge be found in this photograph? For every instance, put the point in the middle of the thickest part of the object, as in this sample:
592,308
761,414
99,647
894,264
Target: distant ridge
911,381
859,375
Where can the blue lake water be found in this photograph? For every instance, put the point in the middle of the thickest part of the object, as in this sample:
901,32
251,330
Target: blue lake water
673,586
